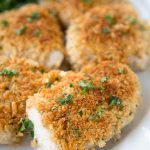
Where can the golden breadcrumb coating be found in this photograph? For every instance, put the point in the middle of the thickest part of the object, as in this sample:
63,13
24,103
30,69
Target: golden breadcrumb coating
30,32
109,33
90,107
68,10
19,79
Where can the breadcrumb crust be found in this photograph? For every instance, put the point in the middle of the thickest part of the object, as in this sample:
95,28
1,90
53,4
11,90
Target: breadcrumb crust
14,92
108,33
30,32
71,129
68,10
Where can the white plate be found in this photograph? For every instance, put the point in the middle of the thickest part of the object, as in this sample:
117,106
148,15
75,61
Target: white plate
137,135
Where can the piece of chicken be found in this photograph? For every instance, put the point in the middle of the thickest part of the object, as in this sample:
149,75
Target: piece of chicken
109,33
85,108
68,10
33,33
19,78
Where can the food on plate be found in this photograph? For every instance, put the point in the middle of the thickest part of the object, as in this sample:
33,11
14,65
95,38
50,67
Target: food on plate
85,108
68,10
32,33
111,32
19,78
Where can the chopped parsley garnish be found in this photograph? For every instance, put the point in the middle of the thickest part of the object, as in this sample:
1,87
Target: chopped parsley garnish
120,70
70,85
85,86
21,30
48,85
66,100
8,72
104,79
77,132
132,20
105,30
113,100
4,23
42,70
34,16
36,33
87,1
108,19
26,125
100,111
80,112
96,115
53,108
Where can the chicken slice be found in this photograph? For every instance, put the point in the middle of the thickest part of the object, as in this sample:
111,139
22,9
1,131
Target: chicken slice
85,108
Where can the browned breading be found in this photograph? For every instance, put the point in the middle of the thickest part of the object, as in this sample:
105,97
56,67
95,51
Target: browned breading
18,80
31,32
68,10
89,107
109,33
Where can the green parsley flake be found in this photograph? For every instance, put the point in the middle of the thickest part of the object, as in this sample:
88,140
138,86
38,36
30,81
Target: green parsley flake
108,19
113,100
70,85
132,20
4,23
120,71
85,86
42,71
66,100
26,125
36,33
34,16
53,108
8,72
105,30
80,112
97,115
104,79
77,132
21,30
100,111
48,85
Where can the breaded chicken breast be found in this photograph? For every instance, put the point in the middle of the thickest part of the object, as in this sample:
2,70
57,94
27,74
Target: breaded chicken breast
109,33
68,10
33,33
19,79
84,109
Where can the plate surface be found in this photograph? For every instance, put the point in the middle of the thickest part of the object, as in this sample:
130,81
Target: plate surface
137,135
